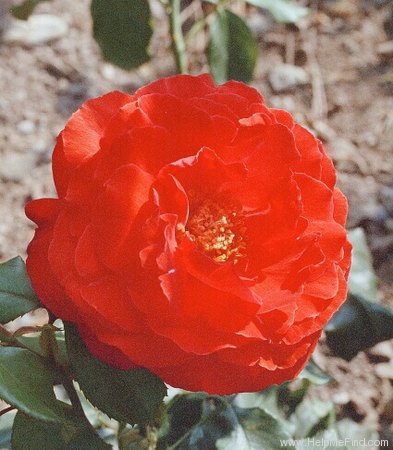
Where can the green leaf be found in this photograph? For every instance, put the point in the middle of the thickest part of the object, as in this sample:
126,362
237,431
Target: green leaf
358,325
26,383
255,429
361,322
218,54
312,416
282,10
16,294
290,395
25,9
32,434
281,401
362,279
6,422
32,342
183,413
5,438
197,421
266,400
313,373
232,50
123,30
131,396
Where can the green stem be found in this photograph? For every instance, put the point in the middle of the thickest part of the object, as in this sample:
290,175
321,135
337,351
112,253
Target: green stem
73,395
178,42
179,441
6,335
9,340
120,436
196,28
75,401
52,359
6,410
199,25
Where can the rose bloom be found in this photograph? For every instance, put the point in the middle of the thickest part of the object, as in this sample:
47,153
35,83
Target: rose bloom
196,233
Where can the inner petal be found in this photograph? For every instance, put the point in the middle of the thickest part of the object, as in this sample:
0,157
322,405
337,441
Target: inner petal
216,226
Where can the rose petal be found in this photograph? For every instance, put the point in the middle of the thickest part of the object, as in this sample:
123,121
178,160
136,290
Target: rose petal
116,210
80,138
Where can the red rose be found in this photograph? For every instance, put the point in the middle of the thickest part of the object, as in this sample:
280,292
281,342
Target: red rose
197,233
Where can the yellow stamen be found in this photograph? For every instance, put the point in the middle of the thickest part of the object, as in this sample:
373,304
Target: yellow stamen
217,228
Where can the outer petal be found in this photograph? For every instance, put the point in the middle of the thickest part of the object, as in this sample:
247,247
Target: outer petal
43,279
200,374
81,136
145,349
182,86
191,128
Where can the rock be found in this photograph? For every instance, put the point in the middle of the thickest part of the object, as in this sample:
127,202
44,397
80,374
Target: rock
377,3
5,6
37,30
388,25
301,57
342,149
362,194
71,98
387,412
43,150
385,48
108,72
381,246
340,8
384,348
286,76
283,102
26,127
323,130
17,166
260,24
386,197
341,398
389,225
372,216
348,156
384,370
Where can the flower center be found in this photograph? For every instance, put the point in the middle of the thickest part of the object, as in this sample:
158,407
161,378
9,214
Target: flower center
218,229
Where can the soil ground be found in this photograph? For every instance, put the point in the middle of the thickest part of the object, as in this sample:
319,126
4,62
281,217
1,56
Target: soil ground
345,49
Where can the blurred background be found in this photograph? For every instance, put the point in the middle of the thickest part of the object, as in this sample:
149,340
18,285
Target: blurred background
330,65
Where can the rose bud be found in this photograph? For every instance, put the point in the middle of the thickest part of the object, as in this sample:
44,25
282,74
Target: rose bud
197,233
